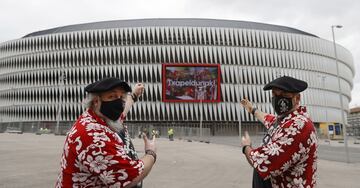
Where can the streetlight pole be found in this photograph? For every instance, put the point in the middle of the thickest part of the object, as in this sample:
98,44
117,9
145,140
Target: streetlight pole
61,89
323,77
343,121
201,119
238,90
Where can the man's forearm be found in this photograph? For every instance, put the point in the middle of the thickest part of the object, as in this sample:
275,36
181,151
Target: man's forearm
247,154
260,115
149,162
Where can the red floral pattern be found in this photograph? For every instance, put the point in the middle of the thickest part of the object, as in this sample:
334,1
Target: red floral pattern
289,158
95,156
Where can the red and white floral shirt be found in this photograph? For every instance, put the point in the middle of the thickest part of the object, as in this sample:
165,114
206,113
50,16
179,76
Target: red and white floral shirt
95,156
289,158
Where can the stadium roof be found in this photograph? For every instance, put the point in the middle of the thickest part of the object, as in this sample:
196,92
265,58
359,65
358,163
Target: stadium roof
176,22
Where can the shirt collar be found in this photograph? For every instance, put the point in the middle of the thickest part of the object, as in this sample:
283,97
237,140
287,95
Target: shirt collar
101,121
301,110
96,117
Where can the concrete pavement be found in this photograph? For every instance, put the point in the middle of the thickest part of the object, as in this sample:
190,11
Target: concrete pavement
329,150
30,160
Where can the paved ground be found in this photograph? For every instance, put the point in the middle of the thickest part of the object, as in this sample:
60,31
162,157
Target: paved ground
30,160
333,150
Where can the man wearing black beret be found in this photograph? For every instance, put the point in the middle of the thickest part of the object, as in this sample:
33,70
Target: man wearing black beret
288,155
98,151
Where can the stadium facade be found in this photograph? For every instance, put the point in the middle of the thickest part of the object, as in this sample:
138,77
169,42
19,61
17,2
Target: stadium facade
354,122
32,68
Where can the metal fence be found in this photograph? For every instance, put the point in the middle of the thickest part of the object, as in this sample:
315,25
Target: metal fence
182,130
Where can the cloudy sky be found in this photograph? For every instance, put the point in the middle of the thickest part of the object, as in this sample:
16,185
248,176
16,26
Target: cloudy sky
18,18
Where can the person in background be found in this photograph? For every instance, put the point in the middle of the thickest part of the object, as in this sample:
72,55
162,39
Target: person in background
171,134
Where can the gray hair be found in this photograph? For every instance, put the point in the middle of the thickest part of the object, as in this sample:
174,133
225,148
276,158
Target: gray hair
88,101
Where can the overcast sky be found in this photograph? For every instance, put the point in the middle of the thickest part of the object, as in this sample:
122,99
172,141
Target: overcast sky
18,18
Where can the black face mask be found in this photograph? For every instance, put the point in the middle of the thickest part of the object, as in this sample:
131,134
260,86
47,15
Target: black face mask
281,105
112,109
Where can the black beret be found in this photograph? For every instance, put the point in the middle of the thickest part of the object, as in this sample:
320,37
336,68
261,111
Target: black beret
288,84
107,84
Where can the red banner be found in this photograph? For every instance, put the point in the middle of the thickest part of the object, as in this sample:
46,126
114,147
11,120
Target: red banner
191,82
